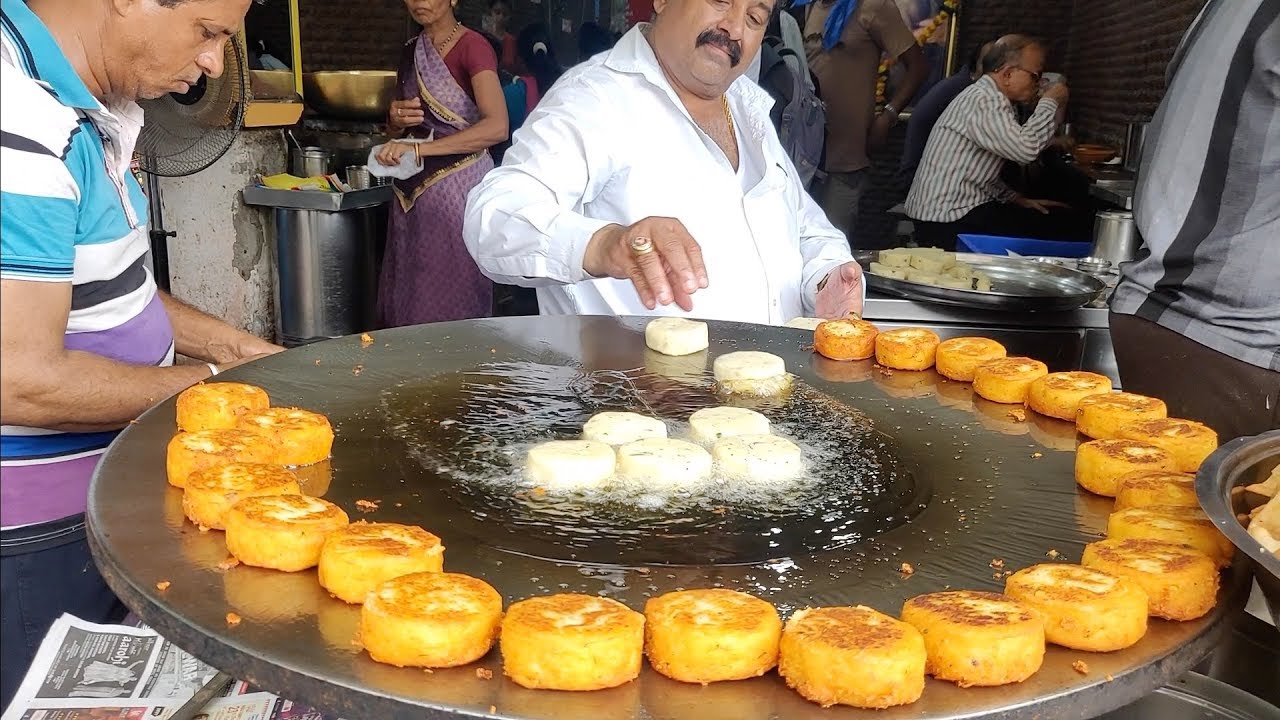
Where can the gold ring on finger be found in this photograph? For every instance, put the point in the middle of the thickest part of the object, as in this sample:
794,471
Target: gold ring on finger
641,245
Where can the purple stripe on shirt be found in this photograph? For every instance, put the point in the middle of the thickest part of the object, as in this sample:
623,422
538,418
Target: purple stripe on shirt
142,340
40,493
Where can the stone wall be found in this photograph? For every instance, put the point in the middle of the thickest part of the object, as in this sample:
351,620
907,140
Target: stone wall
222,258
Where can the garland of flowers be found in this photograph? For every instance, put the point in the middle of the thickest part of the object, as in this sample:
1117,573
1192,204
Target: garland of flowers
948,9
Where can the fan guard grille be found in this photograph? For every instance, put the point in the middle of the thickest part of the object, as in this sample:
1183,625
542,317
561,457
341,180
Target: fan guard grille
180,137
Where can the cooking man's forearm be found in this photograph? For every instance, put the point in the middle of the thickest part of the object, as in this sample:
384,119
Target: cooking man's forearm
199,335
99,393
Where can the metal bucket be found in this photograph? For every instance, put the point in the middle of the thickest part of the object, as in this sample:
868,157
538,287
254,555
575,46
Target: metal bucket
327,272
1114,237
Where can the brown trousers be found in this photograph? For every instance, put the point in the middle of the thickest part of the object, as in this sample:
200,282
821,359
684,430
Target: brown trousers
1234,398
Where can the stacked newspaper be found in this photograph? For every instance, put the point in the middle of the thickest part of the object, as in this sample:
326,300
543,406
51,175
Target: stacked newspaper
86,671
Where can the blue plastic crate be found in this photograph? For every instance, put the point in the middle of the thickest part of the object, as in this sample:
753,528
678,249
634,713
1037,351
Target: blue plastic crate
996,245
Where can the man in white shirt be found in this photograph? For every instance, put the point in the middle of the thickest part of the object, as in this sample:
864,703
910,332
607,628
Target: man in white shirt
651,174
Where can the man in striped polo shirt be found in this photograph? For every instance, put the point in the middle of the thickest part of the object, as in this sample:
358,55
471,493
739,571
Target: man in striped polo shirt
88,342
1195,318
957,188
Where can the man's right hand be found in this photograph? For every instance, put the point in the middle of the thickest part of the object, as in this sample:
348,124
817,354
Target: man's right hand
1058,92
671,272
406,114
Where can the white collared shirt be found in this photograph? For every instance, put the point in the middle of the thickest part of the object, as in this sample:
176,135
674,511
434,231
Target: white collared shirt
612,143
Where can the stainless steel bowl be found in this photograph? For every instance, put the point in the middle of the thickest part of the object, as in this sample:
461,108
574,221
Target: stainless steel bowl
1220,487
350,94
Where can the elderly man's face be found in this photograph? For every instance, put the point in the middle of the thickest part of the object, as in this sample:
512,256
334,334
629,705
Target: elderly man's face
707,44
1021,80
157,50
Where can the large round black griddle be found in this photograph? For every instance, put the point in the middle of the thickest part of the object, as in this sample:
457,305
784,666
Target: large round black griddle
430,421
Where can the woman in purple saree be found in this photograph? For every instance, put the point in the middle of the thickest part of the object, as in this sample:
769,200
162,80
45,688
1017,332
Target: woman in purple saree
448,91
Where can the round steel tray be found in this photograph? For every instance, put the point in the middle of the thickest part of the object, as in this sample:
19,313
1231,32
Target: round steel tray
1220,487
960,484
1021,285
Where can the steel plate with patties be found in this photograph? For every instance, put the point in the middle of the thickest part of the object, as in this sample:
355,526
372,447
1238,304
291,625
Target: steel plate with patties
1017,285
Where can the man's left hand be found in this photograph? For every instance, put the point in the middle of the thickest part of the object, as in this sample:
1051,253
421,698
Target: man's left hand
242,347
253,346
842,294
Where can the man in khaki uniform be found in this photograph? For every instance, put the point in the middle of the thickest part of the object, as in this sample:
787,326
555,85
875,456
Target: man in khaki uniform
845,40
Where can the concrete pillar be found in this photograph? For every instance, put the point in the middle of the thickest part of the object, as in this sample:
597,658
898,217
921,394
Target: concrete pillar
222,259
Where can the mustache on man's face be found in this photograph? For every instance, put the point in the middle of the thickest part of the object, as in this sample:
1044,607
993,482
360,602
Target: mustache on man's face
724,42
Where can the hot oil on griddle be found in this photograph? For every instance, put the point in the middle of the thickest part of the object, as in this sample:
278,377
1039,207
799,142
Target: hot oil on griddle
467,434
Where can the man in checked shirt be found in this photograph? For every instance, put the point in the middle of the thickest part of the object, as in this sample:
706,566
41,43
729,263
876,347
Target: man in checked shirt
957,188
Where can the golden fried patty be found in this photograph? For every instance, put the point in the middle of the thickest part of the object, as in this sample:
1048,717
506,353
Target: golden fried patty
1187,441
958,358
1082,608
704,636
907,348
846,339
1007,380
361,556
1101,416
210,493
301,437
431,620
1160,487
977,638
852,656
1180,525
281,532
1181,583
1101,463
1059,394
190,452
571,642
218,406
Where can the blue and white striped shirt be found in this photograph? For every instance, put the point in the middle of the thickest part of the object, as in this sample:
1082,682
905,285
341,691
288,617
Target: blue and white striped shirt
72,213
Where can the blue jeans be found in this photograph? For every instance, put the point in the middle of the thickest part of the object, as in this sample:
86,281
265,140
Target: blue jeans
38,585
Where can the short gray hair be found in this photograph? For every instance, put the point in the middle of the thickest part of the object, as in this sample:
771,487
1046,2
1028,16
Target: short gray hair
1008,51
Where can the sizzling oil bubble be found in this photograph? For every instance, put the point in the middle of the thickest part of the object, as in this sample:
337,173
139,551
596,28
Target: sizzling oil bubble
469,433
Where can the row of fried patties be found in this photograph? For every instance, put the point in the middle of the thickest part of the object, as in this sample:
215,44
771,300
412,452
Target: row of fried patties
415,615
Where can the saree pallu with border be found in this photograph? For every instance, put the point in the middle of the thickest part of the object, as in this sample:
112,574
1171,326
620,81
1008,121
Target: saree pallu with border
427,273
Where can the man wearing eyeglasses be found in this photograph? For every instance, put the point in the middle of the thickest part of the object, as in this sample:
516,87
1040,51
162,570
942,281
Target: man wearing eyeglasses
957,188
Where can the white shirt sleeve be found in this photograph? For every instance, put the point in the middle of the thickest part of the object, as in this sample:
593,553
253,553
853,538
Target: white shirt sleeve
524,223
823,248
